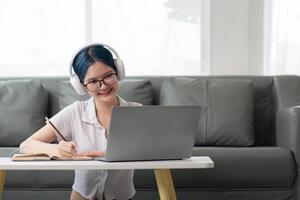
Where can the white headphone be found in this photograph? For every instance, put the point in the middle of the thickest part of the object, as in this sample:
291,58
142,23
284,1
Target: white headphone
74,79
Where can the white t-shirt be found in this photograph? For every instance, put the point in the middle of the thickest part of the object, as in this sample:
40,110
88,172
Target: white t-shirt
78,122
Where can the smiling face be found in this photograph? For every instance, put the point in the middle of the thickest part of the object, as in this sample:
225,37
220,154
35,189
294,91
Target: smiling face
99,71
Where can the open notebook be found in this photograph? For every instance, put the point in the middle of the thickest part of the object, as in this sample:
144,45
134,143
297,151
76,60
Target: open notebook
44,156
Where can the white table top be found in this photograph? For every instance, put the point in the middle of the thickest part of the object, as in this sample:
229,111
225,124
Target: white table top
193,162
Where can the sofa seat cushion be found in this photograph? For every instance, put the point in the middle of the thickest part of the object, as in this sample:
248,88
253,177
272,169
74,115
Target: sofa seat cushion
37,179
226,118
23,107
235,168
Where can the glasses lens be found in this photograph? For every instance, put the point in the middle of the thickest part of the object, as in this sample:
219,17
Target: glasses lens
93,86
110,80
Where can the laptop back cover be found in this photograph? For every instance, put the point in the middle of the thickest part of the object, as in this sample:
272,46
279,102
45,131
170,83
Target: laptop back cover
152,132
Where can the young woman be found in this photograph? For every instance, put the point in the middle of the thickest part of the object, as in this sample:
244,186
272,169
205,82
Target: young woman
85,124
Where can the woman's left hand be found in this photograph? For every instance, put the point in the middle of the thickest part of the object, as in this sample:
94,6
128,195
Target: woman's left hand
92,153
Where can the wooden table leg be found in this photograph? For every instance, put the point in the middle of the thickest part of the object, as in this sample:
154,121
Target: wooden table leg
2,180
165,184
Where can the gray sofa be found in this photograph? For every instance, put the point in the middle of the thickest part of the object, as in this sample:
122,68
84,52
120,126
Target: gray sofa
249,126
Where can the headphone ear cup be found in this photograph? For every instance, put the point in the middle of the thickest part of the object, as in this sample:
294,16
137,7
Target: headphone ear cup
120,69
78,87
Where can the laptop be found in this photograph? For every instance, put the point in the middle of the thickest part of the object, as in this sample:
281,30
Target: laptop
143,133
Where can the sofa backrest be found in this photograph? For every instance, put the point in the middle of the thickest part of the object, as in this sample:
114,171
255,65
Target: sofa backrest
263,103
262,88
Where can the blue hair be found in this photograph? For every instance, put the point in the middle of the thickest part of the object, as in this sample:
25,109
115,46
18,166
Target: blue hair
88,56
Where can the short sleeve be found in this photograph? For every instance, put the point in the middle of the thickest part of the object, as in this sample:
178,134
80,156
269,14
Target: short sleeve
63,121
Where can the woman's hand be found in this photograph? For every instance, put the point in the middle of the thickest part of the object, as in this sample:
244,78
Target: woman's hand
66,149
92,153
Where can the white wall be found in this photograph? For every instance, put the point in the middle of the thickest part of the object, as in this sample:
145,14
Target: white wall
256,37
236,37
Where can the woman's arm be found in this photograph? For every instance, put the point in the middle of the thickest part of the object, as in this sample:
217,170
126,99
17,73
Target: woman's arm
40,142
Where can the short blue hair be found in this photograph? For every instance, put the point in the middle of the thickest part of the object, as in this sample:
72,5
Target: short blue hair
88,56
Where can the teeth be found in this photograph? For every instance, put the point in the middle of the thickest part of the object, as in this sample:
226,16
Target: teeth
105,92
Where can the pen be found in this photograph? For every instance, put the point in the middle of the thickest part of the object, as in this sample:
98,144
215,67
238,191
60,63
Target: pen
59,133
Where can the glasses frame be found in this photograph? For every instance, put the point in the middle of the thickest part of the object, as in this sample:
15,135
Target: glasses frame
100,82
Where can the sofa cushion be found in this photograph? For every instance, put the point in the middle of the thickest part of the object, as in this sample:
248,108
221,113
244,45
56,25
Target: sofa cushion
134,90
23,107
137,90
67,95
226,118
238,168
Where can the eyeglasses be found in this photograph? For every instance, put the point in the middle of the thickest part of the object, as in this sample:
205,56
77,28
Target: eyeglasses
96,84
